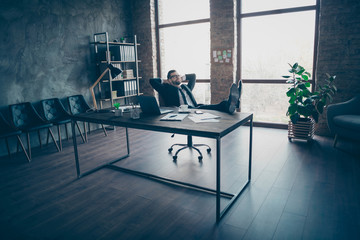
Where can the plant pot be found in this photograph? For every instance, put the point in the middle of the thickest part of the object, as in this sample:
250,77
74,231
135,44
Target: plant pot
118,112
304,129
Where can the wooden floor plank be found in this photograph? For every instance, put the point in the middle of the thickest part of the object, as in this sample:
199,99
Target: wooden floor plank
298,190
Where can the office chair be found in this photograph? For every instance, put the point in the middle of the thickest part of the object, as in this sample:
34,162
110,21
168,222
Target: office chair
6,130
54,112
77,105
189,143
344,119
26,118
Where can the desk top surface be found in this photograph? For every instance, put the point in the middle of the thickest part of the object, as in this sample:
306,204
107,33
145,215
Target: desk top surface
226,124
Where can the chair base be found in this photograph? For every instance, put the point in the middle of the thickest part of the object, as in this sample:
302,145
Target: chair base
191,146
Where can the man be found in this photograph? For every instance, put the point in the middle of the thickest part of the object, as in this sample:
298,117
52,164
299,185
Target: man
174,93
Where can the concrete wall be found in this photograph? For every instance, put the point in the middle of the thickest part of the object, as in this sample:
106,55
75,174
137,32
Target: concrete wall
45,50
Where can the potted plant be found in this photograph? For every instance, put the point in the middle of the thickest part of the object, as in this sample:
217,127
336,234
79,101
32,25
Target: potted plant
118,110
305,106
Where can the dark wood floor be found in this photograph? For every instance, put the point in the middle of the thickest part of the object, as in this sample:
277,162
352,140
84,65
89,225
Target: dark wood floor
298,190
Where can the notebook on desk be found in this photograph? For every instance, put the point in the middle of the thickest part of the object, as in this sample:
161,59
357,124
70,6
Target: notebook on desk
149,105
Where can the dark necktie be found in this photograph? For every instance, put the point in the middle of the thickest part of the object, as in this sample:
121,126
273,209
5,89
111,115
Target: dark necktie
183,96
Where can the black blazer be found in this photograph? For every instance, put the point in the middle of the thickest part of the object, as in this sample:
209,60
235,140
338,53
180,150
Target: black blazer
170,93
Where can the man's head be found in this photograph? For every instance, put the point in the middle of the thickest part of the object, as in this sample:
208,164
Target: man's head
174,77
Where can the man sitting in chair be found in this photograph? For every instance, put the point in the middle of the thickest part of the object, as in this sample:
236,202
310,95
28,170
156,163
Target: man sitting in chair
174,93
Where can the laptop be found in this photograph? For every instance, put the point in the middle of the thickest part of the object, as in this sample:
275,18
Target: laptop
149,105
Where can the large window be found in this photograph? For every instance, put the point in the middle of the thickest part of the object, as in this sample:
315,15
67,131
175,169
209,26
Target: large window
273,34
184,41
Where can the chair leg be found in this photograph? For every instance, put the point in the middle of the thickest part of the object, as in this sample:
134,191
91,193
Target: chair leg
66,131
17,147
78,127
23,148
47,139
39,138
28,143
53,138
59,134
335,140
7,147
85,131
102,125
89,127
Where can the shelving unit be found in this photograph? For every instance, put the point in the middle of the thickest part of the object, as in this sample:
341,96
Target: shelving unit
123,55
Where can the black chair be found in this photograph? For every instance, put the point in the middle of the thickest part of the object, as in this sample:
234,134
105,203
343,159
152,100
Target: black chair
77,105
344,119
189,143
6,130
54,112
25,117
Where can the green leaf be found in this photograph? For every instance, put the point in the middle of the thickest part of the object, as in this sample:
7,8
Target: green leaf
286,76
320,106
292,109
307,84
302,86
305,77
290,92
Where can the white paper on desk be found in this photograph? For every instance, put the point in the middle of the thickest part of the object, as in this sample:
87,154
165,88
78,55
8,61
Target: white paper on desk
197,118
173,117
205,116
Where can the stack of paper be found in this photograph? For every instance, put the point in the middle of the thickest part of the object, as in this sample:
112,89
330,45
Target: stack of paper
205,117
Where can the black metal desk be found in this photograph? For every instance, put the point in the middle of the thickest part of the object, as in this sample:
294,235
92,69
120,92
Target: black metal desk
227,123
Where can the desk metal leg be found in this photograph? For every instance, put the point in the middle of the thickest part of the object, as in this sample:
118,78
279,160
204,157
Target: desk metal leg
250,147
219,213
78,172
218,177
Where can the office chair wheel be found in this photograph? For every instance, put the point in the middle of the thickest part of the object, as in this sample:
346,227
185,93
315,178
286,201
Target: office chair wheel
175,157
208,150
200,158
170,149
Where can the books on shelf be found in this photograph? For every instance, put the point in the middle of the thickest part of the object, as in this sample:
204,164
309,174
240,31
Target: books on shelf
117,53
125,88
129,73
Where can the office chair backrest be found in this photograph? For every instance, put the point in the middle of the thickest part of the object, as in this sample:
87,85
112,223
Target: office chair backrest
24,115
77,104
4,125
53,109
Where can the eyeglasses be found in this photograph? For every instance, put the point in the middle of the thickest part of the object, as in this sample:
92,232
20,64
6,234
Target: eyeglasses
174,76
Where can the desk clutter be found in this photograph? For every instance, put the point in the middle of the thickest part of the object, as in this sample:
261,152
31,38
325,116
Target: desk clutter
195,117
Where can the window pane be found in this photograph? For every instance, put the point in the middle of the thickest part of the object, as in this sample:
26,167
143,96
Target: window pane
264,5
268,102
269,43
171,11
201,93
186,49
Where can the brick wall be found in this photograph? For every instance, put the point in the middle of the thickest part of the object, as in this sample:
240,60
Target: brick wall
223,26
339,50
144,28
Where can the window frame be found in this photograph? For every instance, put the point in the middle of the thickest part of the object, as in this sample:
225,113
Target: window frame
158,26
241,16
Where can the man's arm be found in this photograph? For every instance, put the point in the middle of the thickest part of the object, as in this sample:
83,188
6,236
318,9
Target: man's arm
157,84
191,80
